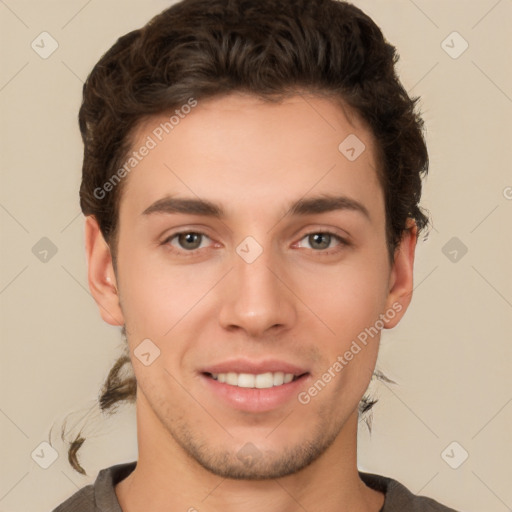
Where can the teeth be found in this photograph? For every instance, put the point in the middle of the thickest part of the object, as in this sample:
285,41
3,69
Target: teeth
279,378
249,380
246,380
288,378
232,379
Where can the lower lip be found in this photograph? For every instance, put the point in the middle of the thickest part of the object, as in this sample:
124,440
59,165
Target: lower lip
254,399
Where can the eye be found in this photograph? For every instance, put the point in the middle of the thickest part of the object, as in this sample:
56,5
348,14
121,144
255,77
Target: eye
318,241
321,240
186,240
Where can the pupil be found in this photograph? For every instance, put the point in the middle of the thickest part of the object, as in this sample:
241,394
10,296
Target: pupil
316,239
190,240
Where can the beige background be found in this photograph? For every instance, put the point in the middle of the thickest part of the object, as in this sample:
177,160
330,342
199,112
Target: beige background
452,353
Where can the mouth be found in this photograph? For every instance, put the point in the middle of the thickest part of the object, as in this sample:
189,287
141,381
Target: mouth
255,386
255,381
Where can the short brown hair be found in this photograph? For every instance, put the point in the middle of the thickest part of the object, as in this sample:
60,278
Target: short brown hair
268,48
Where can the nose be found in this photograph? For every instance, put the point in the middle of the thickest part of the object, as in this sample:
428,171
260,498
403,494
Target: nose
257,298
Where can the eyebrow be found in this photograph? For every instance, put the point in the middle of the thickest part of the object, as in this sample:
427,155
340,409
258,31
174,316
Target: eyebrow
304,206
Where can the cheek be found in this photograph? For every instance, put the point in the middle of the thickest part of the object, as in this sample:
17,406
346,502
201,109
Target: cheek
347,298
156,295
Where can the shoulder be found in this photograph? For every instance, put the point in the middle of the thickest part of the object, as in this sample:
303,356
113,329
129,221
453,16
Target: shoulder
399,498
81,501
101,495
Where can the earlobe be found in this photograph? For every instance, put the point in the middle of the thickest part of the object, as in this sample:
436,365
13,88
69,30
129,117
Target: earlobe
401,276
101,276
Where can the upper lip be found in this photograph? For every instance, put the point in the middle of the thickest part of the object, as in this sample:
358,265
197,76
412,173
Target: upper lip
254,367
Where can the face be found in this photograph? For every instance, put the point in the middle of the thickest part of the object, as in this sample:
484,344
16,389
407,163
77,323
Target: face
253,280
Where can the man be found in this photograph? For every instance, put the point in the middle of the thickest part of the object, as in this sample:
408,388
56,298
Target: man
251,179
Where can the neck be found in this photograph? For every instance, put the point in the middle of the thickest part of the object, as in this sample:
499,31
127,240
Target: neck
166,478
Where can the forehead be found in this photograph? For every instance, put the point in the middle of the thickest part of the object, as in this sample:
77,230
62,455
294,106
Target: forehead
240,149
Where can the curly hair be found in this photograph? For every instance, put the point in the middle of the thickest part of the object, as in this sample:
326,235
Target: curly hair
272,49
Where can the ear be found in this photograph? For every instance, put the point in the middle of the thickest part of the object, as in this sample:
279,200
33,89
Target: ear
101,277
401,276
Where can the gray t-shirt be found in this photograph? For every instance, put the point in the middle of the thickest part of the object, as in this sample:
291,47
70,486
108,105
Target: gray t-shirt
101,496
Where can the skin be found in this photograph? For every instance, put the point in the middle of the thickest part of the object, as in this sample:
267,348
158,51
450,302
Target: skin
293,303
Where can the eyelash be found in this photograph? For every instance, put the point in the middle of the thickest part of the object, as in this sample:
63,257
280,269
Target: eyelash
326,252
